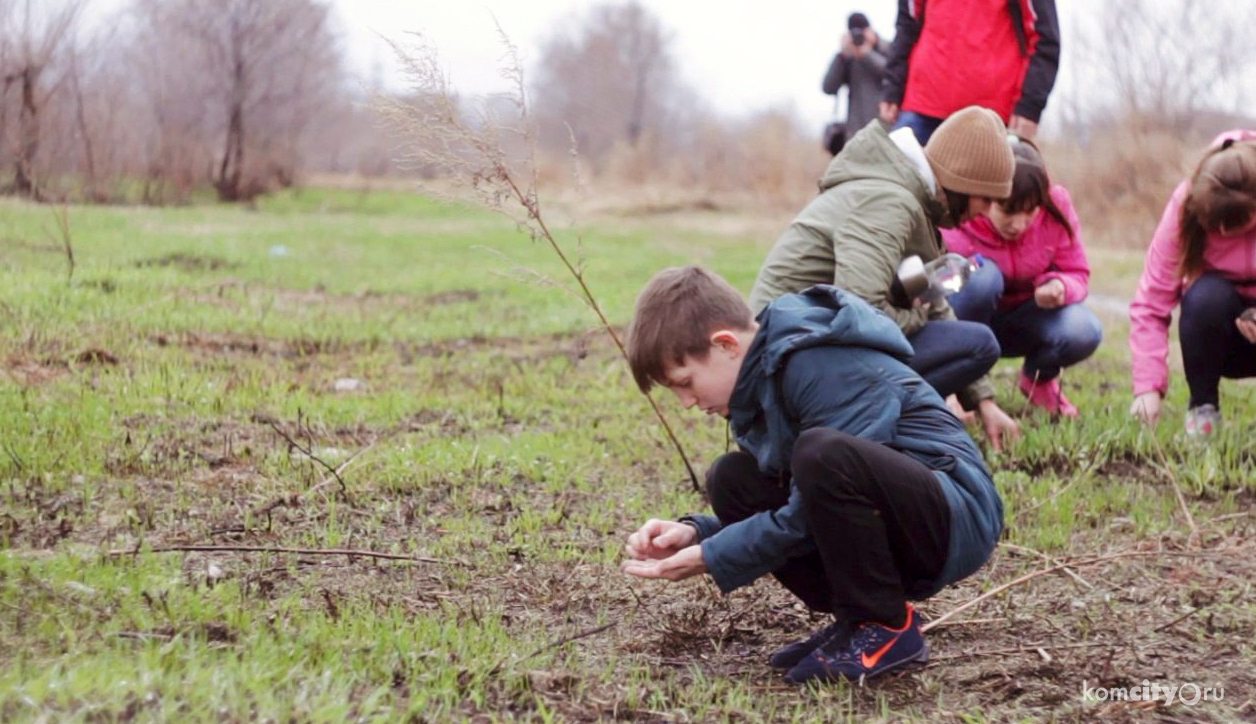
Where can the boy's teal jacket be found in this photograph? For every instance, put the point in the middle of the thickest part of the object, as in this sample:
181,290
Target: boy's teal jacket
825,358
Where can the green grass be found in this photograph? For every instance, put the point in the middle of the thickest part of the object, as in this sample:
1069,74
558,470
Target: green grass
496,431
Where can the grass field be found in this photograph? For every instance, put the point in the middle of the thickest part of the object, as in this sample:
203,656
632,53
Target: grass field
379,372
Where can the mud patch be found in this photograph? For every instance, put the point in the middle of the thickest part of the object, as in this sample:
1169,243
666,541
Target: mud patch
187,262
454,296
253,345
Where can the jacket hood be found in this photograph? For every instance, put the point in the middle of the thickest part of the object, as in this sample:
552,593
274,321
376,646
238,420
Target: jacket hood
825,315
872,155
1237,134
818,315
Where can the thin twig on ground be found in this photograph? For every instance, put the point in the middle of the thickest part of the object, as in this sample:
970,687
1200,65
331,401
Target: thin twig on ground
351,552
1031,648
1177,489
1055,561
555,644
1181,618
344,489
338,471
1054,569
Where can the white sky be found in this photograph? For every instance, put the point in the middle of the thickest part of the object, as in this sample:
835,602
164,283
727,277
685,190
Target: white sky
742,57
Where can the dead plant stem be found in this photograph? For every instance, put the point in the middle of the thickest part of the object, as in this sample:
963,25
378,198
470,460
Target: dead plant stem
351,552
1046,571
534,212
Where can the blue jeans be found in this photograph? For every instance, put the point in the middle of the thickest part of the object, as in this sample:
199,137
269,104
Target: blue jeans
1212,346
952,355
1048,339
922,126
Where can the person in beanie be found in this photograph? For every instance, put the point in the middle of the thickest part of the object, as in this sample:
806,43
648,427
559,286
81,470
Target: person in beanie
881,201
854,485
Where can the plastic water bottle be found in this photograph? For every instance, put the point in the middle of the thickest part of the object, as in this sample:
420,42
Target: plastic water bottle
932,282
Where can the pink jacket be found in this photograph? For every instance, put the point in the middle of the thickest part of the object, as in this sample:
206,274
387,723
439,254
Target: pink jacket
1160,288
1044,252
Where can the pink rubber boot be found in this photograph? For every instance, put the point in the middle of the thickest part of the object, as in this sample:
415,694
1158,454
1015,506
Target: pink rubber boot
1047,395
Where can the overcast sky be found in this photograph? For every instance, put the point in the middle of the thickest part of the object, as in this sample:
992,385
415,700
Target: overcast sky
741,57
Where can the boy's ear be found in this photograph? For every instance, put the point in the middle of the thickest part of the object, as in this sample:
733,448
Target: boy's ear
725,339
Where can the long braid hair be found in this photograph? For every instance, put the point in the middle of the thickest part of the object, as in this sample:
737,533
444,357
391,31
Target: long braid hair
1221,198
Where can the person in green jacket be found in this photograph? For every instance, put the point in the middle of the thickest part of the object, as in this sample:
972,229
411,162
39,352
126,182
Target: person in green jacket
882,200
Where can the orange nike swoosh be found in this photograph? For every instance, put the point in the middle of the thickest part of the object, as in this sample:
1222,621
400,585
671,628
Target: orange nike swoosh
871,661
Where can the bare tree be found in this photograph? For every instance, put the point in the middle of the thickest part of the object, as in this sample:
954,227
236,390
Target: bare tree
259,70
36,38
1167,64
612,78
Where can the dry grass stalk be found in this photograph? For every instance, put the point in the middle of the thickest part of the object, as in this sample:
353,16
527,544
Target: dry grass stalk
1053,569
476,151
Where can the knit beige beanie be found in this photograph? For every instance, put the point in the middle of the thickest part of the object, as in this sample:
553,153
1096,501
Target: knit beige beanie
970,155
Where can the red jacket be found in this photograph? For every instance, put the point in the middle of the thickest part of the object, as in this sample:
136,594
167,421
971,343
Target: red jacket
1044,252
948,54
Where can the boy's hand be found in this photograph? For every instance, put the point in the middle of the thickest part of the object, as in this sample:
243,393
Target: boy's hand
659,539
686,563
997,424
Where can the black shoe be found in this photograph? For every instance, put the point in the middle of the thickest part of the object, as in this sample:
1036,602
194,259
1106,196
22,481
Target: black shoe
871,649
787,657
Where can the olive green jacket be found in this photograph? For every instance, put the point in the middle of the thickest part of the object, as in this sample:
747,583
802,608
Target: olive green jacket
875,209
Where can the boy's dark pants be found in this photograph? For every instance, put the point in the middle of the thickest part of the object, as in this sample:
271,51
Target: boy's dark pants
879,519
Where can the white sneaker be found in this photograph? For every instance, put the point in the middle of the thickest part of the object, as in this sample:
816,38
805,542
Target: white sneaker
1203,421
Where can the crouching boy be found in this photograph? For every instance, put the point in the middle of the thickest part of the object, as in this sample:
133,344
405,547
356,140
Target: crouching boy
854,486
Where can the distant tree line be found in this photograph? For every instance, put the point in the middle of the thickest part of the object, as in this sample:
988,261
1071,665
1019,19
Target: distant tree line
166,99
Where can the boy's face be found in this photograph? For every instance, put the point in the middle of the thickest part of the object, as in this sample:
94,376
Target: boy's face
708,383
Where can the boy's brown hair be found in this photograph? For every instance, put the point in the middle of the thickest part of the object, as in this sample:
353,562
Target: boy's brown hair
676,314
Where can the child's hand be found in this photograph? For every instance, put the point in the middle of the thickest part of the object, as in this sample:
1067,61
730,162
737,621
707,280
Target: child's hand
957,409
1146,407
659,539
1050,295
1247,325
1000,428
686,563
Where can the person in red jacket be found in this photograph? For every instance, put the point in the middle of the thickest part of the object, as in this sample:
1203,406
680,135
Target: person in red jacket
948,54
1032,279
1203,258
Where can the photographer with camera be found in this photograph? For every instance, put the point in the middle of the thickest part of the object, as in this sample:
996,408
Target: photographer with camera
859,66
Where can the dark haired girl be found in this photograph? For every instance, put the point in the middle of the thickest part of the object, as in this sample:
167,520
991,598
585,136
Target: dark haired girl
1032,279
1203,257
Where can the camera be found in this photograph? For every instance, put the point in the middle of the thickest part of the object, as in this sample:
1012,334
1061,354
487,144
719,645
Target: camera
858,36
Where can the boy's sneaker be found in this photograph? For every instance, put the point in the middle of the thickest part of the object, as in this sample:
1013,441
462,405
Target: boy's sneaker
871,649
787,657
1203,421
1047,395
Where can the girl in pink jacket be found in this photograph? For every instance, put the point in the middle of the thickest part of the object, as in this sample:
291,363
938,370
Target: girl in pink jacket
1032,279
1203,257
